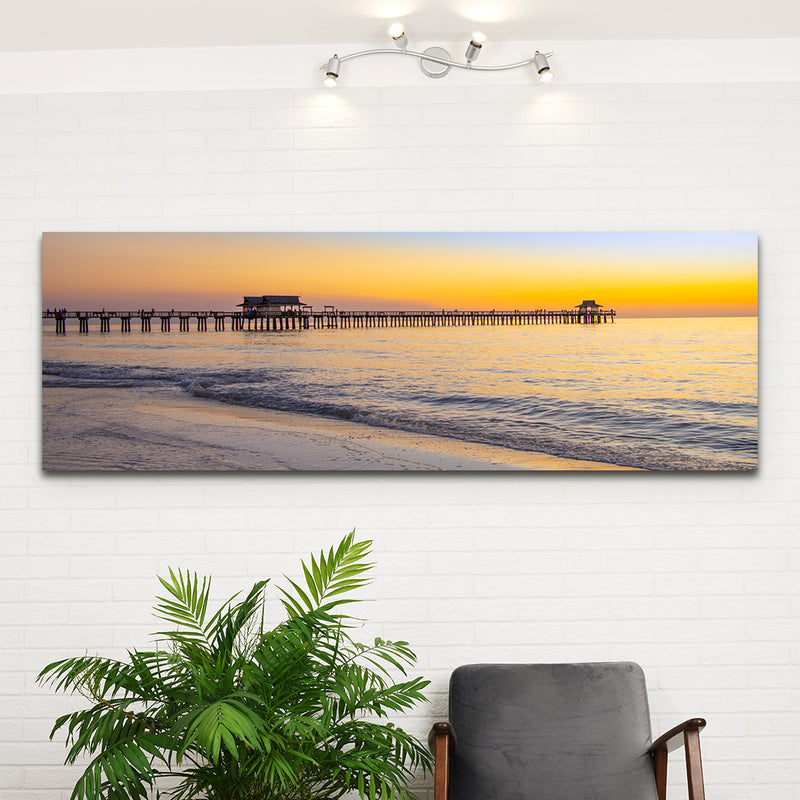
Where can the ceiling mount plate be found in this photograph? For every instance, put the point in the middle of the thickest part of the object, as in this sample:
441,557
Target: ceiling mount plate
433,69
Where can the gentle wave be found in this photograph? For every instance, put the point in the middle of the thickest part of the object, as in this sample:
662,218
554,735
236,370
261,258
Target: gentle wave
536,425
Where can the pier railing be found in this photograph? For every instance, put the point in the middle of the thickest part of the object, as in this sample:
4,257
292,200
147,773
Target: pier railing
307,319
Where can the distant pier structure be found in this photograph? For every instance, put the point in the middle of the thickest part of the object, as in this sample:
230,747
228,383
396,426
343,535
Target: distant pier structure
273,308
589,307
287,312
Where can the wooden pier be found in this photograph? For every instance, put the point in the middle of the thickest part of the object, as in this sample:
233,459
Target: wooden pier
308,319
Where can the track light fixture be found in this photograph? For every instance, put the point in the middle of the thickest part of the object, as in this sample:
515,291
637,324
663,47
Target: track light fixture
474,47
542,66
332,71
435,62
397,32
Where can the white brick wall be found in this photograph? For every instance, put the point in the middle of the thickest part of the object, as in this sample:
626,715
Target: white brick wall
695,577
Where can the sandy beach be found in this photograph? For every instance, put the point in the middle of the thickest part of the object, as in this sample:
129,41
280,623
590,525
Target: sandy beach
135,428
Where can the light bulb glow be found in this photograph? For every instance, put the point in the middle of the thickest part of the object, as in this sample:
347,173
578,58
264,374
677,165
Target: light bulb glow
330,81
478,38
398,34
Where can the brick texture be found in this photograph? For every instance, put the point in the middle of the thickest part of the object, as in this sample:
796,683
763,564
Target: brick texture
695,577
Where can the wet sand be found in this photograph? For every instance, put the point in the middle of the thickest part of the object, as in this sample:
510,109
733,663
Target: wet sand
162,429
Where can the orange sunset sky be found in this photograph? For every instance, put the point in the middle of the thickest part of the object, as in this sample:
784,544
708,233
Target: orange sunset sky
637,274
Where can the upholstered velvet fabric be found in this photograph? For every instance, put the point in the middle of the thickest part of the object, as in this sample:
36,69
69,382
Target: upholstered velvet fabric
551,732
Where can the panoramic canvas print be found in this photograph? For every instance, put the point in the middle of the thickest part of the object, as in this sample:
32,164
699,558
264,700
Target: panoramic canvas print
400,351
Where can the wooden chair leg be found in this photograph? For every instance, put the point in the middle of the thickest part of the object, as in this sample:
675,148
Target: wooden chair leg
660,767
441,775
694,764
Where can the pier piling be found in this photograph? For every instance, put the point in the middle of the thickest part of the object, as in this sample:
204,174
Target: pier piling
330,319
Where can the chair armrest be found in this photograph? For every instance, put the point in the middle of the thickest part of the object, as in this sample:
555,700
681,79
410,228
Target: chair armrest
686,734
442,729
672,739
442,742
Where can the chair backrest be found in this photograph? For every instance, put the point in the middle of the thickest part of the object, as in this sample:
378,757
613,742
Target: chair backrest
551,732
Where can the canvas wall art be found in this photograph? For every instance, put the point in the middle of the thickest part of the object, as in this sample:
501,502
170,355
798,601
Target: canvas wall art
400,351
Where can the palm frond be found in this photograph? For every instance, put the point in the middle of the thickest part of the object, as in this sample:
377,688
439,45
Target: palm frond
219,728
329,577
185,607
123,768
233,620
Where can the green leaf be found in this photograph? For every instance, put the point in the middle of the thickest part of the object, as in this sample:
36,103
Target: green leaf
218,728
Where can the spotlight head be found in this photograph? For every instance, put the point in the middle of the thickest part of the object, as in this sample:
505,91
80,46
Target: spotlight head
397,32
331,71
474,46
542,67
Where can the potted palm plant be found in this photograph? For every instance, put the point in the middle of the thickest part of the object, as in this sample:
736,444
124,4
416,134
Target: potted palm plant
227,708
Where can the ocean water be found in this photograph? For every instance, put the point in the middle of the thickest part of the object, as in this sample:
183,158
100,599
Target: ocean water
659,394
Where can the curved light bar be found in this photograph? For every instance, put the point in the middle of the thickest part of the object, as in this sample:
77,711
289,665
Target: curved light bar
438,56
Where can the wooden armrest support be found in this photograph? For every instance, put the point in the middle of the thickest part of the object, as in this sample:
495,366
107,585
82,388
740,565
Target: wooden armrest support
442,742
686,734
442,729
672,739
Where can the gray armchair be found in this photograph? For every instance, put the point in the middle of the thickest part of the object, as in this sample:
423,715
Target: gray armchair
556,732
